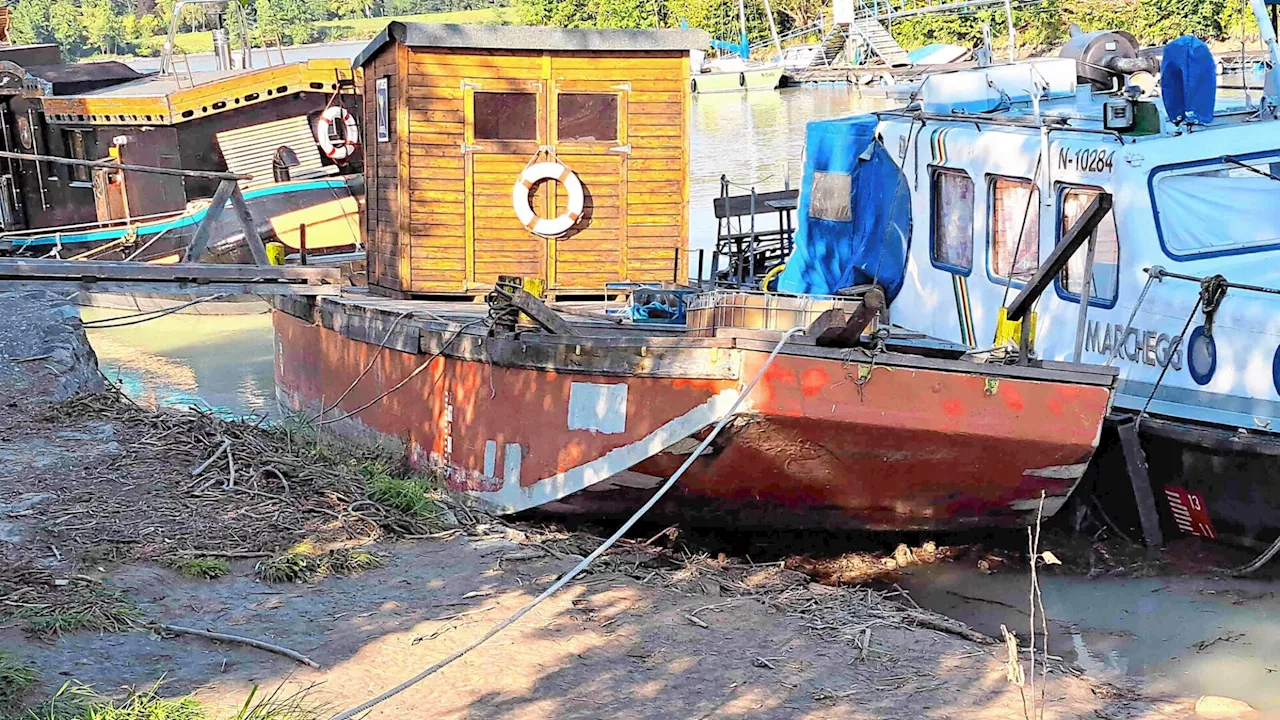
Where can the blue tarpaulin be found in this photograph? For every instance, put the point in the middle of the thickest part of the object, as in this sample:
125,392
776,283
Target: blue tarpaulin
854,224
1188,81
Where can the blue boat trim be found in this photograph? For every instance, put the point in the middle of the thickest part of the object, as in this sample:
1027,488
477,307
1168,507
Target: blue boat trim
180,222
1233,411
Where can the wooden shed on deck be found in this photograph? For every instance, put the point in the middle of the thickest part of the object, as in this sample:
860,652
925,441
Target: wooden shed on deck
455,113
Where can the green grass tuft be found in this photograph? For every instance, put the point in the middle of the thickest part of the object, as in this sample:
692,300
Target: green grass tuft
101,610
201,568
413,496
76,701
303,562
15,678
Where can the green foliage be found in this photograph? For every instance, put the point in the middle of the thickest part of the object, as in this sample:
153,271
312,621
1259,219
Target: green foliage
77,701
1044,26
293,21
92,608
15,678
303,562
201,568
412,496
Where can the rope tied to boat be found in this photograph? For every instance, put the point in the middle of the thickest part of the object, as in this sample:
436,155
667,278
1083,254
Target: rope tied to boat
586,562
1212,291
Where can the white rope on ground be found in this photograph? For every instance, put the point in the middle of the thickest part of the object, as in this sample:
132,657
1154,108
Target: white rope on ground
1259,561
564,579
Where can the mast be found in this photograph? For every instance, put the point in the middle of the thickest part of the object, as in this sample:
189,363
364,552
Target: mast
773,28
745,48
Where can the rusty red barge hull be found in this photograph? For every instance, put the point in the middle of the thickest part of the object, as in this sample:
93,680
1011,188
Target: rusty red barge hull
828,438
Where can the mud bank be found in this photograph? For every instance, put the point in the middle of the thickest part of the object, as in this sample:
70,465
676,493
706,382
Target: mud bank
119,520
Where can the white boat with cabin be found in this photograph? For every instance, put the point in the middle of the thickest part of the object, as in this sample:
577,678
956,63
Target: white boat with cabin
1002,161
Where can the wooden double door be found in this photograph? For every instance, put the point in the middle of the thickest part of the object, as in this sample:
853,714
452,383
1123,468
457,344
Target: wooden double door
508,125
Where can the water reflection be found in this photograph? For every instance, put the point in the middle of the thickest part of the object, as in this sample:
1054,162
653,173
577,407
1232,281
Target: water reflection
225,362
217,362
756,139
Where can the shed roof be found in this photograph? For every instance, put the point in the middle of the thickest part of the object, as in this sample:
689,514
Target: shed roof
520,37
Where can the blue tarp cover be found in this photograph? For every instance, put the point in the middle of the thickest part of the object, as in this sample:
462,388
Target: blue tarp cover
838,245
1188,81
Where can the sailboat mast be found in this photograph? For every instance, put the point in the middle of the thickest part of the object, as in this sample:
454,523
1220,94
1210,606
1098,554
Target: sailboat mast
773,28
745,48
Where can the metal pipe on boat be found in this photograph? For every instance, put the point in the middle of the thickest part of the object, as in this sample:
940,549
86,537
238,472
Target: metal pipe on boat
1086,292
1158,272
31,119
302,244
751,248
702,254
1267,34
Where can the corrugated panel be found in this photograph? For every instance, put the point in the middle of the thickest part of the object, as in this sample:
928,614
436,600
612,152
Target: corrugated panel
250,150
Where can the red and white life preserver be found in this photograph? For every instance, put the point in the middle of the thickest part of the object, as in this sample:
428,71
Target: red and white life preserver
350,133
535,174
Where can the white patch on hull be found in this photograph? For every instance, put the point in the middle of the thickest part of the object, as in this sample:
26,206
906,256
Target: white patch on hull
512,497
1059,472
1052,503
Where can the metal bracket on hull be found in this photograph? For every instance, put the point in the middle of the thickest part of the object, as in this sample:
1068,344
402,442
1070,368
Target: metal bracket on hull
1135,461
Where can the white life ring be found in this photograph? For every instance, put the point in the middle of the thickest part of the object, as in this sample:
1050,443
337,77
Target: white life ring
350,134
535,174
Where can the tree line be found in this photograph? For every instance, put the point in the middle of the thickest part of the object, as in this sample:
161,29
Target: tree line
85,28
1039,27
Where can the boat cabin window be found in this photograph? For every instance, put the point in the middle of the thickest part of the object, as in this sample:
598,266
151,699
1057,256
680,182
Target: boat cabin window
1223,205
382,109
1015,228
587,117
75,142
952,232
506,116
1072,203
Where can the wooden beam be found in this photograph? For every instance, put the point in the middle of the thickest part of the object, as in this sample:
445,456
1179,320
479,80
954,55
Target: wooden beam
251,236
1061,255
537,311
200,241
182,289
1135,461
92,270
850,333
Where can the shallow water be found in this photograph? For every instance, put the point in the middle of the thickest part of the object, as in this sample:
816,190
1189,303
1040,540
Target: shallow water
1185,636
216,362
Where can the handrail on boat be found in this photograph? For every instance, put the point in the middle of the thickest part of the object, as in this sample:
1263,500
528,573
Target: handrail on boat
94,224
179,172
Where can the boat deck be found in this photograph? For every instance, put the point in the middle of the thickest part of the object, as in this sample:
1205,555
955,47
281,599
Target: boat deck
604,345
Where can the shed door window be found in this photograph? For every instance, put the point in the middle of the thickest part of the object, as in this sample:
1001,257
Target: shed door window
76,150
953,219
506,116
587,117
1015,227
1106,256
382,109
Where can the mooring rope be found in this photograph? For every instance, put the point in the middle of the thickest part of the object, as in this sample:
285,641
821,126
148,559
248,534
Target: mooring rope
564,579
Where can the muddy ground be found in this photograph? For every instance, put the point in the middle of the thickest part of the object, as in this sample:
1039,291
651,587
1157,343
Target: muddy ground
100,497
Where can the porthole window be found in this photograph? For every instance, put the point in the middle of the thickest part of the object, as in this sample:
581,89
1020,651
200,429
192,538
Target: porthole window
1202,356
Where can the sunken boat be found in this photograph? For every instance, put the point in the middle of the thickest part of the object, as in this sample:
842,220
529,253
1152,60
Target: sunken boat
535,167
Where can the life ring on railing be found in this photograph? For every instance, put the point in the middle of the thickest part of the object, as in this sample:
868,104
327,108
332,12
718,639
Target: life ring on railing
535,174
350,133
